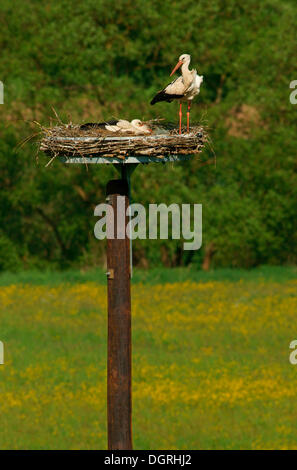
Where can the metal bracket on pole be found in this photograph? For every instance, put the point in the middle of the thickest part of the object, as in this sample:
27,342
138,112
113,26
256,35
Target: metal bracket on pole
110,274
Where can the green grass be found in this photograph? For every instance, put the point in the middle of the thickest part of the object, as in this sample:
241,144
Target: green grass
211,363
152,276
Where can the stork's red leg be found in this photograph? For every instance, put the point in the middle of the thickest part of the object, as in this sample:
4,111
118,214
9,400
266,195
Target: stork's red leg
180,116
188,116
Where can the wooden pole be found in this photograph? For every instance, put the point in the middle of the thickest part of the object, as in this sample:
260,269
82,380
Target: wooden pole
119,402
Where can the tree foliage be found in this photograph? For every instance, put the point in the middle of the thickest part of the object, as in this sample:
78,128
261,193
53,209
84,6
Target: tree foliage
98,59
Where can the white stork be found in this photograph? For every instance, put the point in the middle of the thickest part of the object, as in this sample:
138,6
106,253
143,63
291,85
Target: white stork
136,126
183,88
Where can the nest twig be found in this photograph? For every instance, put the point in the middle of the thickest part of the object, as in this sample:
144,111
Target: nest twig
71,141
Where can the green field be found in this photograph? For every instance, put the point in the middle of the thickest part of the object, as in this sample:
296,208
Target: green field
211,363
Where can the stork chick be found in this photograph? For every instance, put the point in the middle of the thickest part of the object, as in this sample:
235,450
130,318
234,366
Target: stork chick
136,126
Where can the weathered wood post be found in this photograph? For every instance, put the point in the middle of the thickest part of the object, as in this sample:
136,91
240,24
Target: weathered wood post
119,401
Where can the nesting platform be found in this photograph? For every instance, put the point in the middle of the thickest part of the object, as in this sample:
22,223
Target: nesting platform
73,145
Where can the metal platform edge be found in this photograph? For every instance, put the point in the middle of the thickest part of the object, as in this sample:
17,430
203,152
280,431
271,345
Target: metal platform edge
131,159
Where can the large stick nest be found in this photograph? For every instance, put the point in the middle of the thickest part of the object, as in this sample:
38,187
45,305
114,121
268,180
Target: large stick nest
72,141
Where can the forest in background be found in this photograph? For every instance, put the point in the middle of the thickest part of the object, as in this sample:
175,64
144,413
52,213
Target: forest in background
96,60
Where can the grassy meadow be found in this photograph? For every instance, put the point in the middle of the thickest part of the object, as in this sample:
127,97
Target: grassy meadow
211,363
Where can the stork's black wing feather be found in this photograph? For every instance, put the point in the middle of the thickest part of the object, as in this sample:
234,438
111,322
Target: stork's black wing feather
92,125
163,96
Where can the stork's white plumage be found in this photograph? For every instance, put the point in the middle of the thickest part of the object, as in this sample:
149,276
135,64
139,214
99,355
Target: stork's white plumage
136,126
184,88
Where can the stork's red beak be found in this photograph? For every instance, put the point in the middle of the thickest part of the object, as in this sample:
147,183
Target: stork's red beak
176,67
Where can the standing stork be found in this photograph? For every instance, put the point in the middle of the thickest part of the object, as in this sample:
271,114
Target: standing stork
183,88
